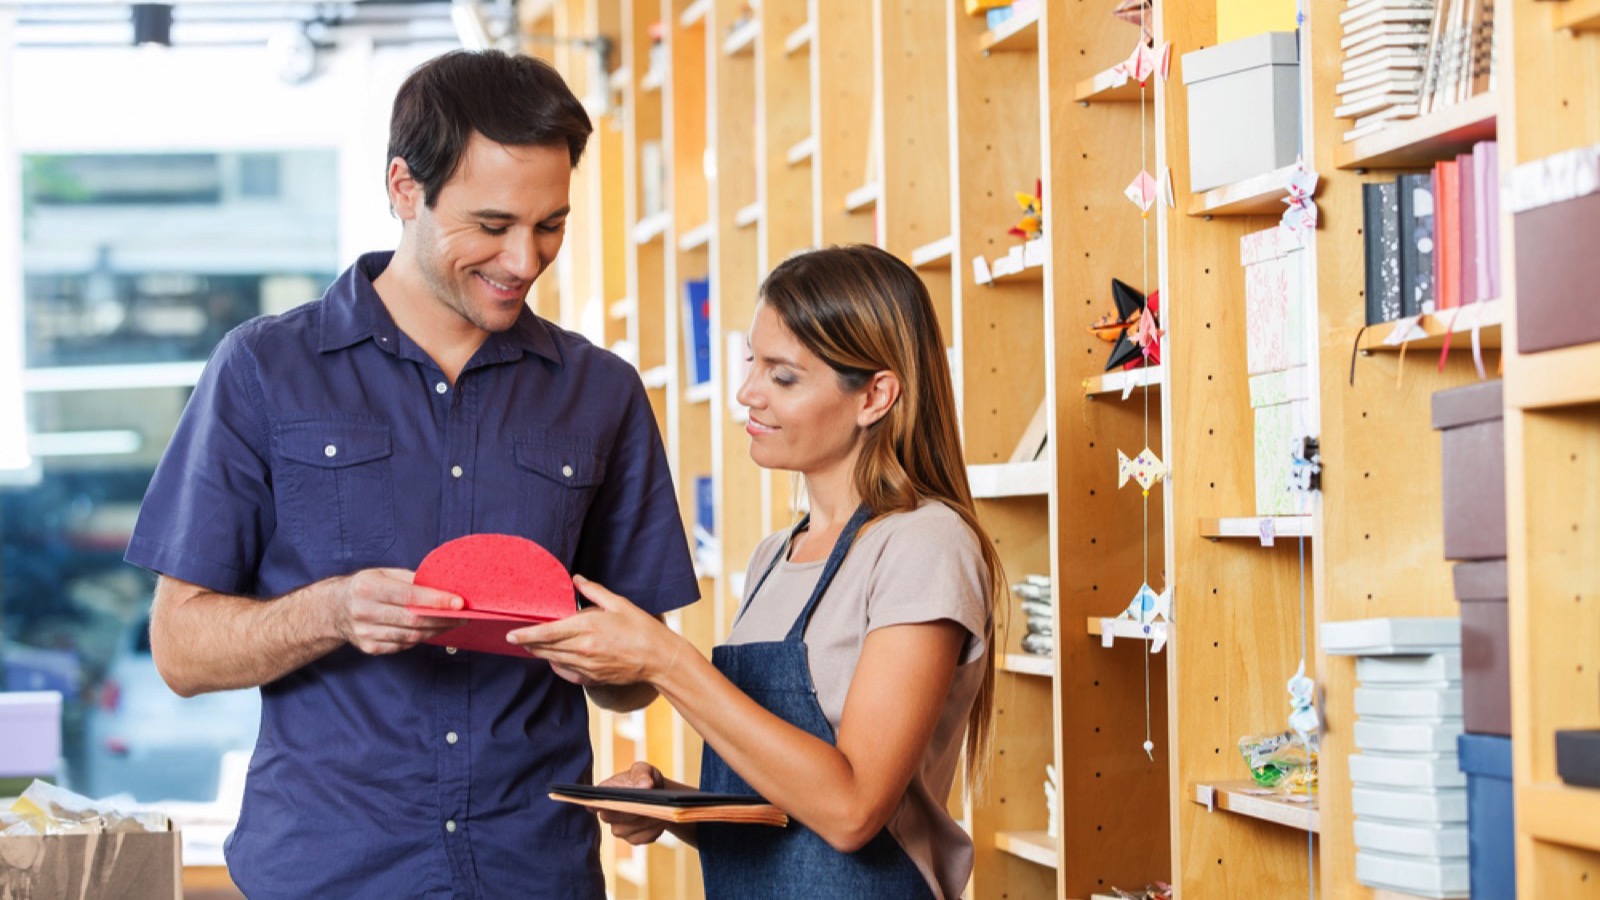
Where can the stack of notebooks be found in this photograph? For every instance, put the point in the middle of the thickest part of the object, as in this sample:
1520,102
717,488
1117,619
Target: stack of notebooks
1038,606
1405,58
1408,793
1433,238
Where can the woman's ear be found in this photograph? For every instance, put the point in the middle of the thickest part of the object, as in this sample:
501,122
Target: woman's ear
405,194
878,397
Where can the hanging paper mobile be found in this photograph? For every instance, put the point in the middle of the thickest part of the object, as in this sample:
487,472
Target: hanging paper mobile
1032,223
1146,468
1115,329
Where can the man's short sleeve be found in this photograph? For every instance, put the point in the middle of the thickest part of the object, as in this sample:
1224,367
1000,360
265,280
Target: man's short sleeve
208,510
633,539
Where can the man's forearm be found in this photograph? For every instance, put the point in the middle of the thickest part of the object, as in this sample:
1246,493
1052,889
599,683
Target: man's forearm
205,641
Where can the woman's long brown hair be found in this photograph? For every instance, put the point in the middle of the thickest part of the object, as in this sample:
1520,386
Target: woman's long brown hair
864,311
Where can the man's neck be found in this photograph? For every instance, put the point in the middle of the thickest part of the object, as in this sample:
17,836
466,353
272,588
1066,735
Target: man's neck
441,333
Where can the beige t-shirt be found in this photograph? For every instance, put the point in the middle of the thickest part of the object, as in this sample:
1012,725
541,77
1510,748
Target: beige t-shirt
907,568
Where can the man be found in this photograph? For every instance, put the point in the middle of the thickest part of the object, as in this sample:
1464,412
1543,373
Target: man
327,450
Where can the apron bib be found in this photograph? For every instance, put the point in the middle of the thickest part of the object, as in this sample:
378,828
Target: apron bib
751,861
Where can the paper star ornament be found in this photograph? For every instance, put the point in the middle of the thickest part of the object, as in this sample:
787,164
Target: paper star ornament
1142,191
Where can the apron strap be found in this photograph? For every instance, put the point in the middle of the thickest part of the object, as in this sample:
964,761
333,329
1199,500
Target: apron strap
835,559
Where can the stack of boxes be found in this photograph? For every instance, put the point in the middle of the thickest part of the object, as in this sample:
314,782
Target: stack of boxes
1275,357
1408,792
1472,436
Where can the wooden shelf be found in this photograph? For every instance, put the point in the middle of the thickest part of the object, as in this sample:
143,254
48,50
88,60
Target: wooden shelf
1020,32
629,726
862,198
1560,814
696,237
997,480
1124,628
619,78
655,377
747,215
1258,196
621,308
1424,140
801,151
1564,377
652,81
1108,86
1489,315
1123,380
694,13
633,870
742,40
651,227
798,39
700,393
1034,846
935,254
1577,15
1230,796
1250,527
1028,664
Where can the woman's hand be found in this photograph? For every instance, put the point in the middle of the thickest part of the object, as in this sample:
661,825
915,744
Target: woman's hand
626,826
612,642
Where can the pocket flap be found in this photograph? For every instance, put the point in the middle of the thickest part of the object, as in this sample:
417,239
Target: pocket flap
561,462
333,444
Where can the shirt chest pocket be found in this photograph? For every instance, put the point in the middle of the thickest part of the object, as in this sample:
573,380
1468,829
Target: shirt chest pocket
559,477
335,488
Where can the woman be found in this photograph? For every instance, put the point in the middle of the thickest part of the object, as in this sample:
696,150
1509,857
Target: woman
862,652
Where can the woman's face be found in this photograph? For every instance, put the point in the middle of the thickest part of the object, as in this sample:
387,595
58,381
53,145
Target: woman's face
801,417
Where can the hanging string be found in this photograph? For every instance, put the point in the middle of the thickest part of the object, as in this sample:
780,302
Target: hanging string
1305,497
1144,528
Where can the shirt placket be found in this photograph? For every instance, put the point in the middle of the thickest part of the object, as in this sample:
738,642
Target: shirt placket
453,694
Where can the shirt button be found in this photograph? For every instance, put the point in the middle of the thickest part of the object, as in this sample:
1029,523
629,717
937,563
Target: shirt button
455,471
450,650
440,388
450,825
565,470
330,451
451,738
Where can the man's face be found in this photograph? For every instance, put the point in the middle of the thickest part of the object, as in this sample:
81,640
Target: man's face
494,228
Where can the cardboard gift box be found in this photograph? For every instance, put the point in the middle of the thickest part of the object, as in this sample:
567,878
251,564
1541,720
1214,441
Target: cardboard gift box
1282,415
1490,813
1244,100
106,866
1485,646
1473,463
1555,203
1274,303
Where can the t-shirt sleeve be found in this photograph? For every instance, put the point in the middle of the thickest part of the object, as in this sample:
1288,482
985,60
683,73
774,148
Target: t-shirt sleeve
633,540
930,569
208,511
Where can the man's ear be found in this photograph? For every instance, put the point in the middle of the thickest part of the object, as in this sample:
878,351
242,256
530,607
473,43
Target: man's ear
878,397
405,192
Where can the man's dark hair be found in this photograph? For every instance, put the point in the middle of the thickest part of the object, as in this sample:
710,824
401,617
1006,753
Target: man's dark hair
517,101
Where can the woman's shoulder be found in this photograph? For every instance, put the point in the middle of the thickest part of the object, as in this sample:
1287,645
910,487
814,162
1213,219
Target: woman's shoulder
933,522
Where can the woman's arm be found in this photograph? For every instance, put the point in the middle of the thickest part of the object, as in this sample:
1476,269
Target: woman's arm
845,792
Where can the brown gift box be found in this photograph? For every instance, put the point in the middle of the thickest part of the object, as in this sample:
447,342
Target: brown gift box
1474,467
1485,647
132,866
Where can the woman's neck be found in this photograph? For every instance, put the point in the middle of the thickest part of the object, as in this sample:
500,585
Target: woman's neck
832,497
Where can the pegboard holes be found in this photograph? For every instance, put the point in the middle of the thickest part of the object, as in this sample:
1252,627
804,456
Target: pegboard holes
1100,828
1213,485
1211,431
1208,324
1215,644
1366,537
1091,445
1208,377
1213,591
1091,492
1097,729
1369,596
1097,682
1366,474
1097,774
1216,698
1363,414
1094,587
1208,270
1094,540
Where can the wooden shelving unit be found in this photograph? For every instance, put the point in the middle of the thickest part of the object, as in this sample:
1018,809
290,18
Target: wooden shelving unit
911,125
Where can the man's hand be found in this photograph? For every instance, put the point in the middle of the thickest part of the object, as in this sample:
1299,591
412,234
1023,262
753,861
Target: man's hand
369,610
631,828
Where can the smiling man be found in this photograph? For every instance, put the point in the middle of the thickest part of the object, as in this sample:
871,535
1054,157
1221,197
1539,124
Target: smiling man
325,451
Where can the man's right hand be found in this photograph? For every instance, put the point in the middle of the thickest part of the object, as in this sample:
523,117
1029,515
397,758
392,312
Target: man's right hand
369,610
628,827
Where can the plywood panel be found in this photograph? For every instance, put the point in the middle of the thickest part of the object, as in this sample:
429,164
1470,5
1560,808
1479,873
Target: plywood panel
841,117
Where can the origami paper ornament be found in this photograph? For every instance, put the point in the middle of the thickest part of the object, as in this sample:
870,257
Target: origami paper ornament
1142,191
1147,334
1115,329
1303,699
1032,224
1148,606
1136,12
1146,468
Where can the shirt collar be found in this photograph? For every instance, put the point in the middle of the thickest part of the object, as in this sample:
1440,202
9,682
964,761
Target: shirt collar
353,312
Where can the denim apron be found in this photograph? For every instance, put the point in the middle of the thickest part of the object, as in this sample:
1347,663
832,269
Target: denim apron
752,861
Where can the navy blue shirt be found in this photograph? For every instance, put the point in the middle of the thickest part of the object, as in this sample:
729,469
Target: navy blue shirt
324,441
